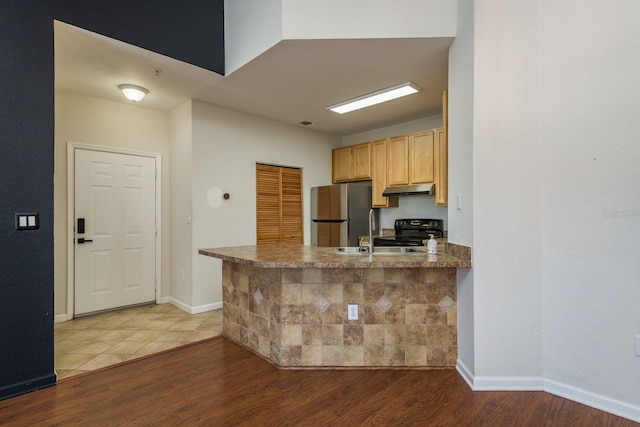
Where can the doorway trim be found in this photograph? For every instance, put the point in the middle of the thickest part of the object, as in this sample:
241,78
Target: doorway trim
71,148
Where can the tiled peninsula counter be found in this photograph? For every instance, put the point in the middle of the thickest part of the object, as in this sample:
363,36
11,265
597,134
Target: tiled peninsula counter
288,303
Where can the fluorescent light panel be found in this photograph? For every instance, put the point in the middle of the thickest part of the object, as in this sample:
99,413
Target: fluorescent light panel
376,97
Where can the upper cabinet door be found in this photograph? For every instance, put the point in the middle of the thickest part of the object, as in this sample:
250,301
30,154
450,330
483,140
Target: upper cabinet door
442,155
441,168
398,160
352,163
341,171
379,176
410,159
421,159
361,161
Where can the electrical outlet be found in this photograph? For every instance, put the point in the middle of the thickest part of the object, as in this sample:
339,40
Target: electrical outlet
181,274
352,311
637,345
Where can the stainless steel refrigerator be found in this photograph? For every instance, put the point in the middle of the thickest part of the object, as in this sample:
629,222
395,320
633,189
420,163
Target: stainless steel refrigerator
340,213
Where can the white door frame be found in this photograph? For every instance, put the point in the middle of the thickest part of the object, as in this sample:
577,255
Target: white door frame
71,147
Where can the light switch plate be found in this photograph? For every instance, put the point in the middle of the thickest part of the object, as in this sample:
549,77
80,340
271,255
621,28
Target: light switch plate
637,345
27,221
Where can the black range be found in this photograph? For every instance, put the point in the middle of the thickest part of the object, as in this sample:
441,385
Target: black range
411,232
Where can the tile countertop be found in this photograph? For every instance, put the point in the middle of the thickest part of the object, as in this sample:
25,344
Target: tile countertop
282,255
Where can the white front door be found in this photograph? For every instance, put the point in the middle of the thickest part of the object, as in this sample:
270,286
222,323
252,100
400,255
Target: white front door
115,198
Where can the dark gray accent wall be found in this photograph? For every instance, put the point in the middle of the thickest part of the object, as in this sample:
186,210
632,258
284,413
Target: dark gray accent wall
189,30
194,35
26,185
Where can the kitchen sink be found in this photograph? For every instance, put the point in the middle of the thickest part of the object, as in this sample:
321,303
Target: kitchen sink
352,250
381,250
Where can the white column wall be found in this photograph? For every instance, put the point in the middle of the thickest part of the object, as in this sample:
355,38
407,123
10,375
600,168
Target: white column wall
557,199
461,172
181,178
590,200
506,196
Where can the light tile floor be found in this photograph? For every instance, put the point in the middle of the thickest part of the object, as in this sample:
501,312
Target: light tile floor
94,342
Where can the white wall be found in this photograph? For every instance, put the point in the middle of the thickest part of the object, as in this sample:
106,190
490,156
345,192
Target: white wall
506,195
94,121
557,199
588,108
460,138
226,147
250,28
460,132
181,174
337,19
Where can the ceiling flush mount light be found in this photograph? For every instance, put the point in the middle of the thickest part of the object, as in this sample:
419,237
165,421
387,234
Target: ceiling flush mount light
132,92
376,97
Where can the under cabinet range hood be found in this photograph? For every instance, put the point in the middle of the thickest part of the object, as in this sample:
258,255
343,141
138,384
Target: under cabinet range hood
410,190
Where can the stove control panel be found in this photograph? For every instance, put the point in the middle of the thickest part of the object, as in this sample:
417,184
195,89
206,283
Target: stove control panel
417,224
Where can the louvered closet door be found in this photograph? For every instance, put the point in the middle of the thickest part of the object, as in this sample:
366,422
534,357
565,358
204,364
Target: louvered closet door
291,205
268,203
279,204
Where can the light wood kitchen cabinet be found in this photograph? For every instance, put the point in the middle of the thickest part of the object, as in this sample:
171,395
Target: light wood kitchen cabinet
441,152
421,164
341,162
361,157
398,160
410,159
352,163
379,176
415,158
441,168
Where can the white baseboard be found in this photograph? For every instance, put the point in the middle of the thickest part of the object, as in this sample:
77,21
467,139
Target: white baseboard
603,403
508,383
597,401
465,373
58,318
197,309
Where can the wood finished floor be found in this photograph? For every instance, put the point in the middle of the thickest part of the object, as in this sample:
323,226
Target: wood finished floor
218,383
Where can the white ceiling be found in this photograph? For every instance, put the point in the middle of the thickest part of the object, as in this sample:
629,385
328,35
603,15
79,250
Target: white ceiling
293,81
